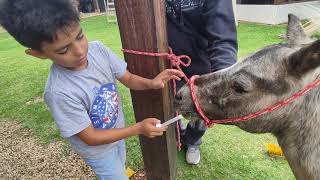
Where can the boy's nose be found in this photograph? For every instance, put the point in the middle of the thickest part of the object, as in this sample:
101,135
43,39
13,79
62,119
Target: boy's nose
79,51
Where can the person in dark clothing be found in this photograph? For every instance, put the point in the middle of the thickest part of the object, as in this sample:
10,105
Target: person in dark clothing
86,6
205,30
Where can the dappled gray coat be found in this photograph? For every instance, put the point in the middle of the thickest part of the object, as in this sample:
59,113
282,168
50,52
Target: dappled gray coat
261,80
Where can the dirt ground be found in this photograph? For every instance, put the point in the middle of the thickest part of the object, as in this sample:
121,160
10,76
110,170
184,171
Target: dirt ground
22,157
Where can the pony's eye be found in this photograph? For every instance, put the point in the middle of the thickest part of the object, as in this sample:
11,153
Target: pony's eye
238,88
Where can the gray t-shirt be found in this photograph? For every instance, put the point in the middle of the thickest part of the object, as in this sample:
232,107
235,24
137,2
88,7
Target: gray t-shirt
79,98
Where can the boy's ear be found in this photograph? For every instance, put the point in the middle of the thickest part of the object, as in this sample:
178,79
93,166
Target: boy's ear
36,54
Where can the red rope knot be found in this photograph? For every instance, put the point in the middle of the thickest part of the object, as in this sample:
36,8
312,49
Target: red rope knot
176,61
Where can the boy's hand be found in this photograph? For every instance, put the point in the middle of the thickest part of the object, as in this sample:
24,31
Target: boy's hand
148,128
161,79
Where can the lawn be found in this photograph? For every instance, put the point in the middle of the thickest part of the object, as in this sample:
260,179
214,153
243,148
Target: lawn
227,152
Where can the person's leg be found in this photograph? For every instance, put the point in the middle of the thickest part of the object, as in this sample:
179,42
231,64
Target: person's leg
81,5
194,131
192,140
112,166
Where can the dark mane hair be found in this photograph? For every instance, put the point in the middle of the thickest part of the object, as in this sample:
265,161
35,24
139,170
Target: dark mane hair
32,22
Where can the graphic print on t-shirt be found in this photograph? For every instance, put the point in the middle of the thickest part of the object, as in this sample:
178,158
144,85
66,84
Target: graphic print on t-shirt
104,113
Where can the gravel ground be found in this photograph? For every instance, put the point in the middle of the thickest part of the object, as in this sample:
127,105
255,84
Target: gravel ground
22,157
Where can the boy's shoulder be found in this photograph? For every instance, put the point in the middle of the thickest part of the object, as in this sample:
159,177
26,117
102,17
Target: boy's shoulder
97,47
97,44
54,83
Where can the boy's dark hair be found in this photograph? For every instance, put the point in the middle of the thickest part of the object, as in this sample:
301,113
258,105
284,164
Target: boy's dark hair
32,22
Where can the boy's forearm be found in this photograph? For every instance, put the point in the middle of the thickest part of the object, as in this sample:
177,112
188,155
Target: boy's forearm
138,83
94,137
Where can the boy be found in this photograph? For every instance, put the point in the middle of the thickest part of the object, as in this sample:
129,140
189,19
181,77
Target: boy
81,90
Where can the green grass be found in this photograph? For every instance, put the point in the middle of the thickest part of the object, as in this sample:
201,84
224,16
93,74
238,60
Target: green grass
317,35
252,37
227,152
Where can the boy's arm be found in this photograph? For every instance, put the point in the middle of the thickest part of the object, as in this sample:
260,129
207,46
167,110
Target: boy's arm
94,137
136,82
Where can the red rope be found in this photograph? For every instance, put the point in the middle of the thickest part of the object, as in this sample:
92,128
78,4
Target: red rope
276,106
175,61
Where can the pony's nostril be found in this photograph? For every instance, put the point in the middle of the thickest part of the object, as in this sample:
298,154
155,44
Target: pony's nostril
178,96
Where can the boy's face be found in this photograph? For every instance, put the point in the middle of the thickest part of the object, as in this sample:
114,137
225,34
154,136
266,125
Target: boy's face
69,49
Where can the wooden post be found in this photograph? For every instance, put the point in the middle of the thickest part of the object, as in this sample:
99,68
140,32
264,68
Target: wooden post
143,27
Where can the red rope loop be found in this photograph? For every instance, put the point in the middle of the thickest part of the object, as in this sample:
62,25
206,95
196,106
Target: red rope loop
177,60
210,122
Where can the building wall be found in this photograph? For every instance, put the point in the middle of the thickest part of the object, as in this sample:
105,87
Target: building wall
270,2
276,14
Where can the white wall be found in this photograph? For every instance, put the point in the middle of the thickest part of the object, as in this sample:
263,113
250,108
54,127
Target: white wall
234,5
276,14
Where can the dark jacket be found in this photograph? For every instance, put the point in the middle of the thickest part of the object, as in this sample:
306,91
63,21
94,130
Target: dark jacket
205,30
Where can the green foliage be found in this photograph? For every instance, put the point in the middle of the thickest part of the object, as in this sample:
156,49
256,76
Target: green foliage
316,35
252,37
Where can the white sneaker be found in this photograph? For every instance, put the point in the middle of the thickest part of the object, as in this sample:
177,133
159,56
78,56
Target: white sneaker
193,155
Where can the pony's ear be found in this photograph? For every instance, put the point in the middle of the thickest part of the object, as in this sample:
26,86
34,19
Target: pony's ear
305,59
295,33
